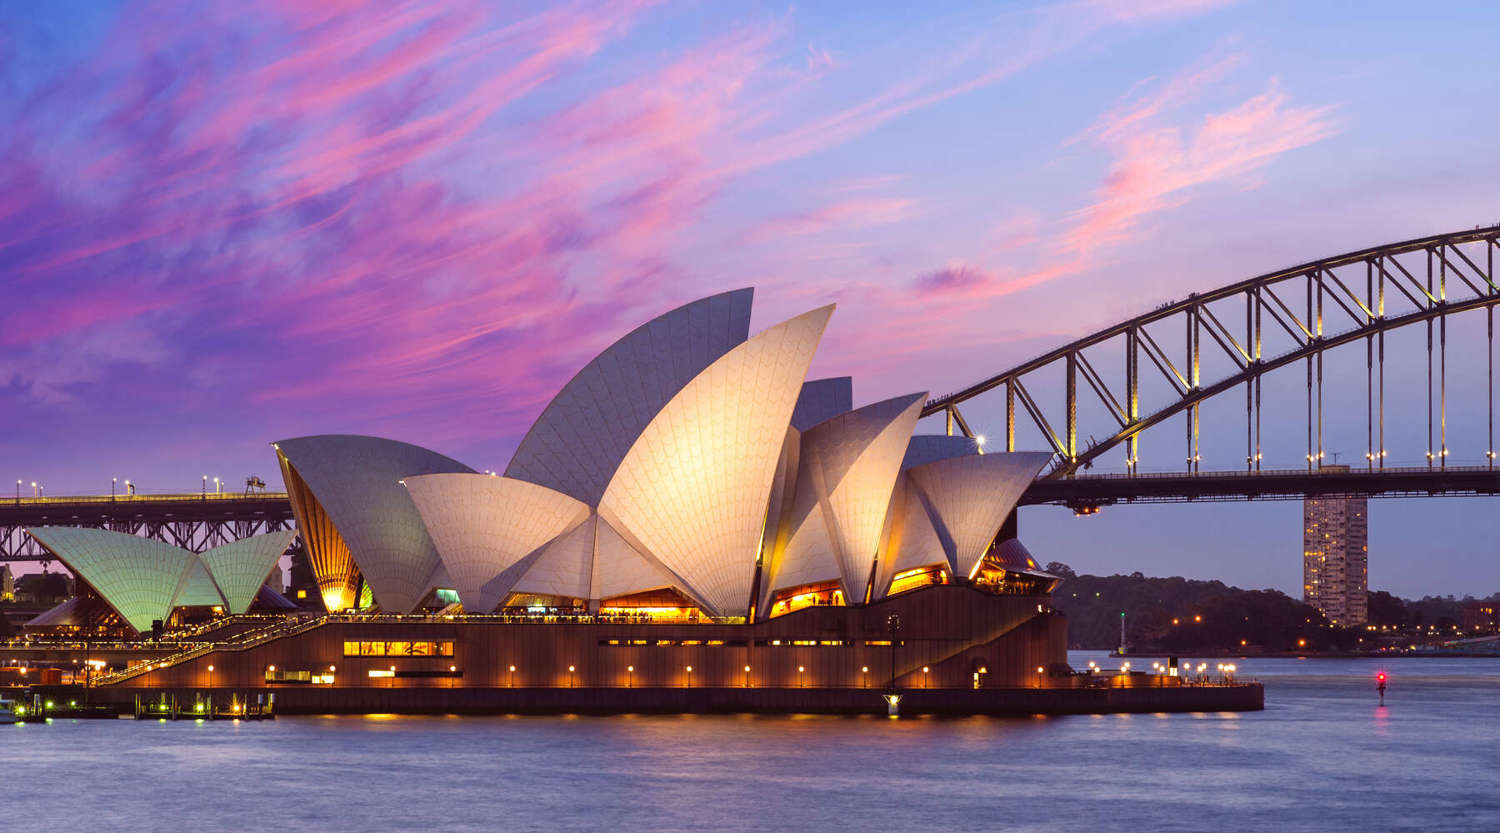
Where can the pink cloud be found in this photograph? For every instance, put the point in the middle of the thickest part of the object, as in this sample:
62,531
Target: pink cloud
1155,167
960,278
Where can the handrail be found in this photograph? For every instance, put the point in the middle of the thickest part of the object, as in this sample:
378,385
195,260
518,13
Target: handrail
145,497
243,642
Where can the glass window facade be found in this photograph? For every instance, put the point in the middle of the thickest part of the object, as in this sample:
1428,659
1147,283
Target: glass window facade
399,648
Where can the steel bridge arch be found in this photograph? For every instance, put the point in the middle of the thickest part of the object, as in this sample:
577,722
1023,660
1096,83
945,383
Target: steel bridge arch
1323,284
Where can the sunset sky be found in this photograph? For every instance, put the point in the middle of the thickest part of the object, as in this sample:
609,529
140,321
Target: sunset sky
222,226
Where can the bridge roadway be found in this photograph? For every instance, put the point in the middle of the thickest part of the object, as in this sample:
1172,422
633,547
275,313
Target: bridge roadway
1089,492
198,521
195,520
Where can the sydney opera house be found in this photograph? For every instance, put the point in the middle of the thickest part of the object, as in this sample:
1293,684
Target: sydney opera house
689,511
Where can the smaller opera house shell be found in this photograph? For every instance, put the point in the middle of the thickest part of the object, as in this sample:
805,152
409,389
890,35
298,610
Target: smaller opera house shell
140,582
688,472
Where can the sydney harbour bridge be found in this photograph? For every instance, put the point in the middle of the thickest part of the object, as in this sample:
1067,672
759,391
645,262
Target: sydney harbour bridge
1279,345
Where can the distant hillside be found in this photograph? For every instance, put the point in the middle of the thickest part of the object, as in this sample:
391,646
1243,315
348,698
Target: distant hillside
1186,616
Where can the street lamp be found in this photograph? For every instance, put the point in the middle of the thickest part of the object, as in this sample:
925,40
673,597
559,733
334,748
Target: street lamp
512,676
570,676
113,482
690,676
864,676
217,488
630,680
205,486
747,676
800,669
210,691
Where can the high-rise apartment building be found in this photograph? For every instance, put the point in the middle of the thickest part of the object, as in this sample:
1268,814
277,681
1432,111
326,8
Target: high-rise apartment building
1335,557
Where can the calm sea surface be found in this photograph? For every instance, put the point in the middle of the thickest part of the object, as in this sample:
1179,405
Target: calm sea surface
1321,757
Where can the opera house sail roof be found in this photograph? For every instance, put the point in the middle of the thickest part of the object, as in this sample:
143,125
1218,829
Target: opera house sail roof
690,466
145,580
358,522
578,442
847,468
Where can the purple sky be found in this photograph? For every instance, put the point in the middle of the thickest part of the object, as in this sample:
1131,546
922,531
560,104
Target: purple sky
220,227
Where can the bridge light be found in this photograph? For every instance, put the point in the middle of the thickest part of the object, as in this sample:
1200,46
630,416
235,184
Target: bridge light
979,439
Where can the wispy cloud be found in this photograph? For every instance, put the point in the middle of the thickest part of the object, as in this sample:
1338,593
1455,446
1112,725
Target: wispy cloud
1158,156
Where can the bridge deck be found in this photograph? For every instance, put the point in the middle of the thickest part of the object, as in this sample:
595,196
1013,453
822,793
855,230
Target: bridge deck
1086,491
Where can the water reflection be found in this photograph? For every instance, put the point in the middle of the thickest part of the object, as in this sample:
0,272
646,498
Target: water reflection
1316,759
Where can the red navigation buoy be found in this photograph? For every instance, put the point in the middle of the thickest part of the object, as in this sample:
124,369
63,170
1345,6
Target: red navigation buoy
1380,685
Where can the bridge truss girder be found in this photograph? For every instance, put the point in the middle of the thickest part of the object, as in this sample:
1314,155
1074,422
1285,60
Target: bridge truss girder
179,520
1371,292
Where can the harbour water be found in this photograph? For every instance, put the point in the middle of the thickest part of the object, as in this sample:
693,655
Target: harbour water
1322,756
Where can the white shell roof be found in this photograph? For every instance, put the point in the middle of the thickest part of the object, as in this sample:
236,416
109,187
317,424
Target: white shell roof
968,498
356,479
483,525
138,577
196,589
620,569
847,470
809,557
693,489
240,568
779,508
823,399
564,567
929,448
582,436
910,541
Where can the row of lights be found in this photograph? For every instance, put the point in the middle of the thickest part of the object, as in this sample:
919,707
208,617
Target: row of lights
572,669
